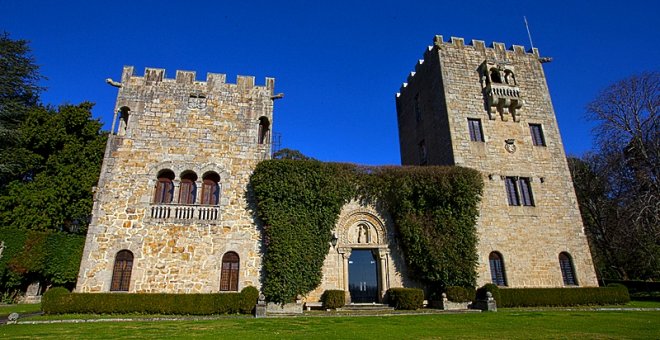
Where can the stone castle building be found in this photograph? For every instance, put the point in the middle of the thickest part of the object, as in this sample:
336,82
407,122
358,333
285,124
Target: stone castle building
489,108
172,211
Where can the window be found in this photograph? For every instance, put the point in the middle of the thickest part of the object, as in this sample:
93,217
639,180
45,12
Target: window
188,188
229,273
264,128
476,134
164,188
497,269
495,76
418,111
567,270
121,273
211,189
519,191
124,113
422,153
537,134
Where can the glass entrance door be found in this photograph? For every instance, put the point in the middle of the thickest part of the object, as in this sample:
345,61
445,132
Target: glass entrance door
363,276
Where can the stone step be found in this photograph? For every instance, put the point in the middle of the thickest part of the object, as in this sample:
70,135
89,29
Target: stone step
365,307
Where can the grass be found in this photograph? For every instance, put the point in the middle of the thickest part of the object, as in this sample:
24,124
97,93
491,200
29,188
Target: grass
5,310
503,325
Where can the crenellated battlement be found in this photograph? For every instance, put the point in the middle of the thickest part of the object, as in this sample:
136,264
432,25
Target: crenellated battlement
496,50
157,75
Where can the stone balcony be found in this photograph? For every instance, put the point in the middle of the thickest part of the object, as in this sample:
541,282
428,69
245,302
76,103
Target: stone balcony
504,99
189,213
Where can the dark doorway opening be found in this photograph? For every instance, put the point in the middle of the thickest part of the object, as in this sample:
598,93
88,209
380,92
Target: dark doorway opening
363,276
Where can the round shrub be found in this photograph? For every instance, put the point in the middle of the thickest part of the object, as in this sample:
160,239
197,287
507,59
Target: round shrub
333,299
489,287
249,296
460,294
52,302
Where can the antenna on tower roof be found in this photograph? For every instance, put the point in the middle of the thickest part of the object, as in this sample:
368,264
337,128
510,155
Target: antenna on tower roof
528,34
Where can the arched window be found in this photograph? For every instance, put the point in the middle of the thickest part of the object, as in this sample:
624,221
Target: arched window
497,273
121,272
211,188
124,112
188,188
164,188
264,129
229,273
509,77
495,76
567,270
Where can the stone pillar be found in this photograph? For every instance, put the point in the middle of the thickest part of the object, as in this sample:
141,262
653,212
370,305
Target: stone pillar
346,254
382,257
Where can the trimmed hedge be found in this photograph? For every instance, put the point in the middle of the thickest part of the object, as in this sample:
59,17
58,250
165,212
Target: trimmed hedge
333,299
460,294
59,301
406,298
562,297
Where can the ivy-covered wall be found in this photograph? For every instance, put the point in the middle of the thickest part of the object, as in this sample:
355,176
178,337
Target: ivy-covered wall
298,201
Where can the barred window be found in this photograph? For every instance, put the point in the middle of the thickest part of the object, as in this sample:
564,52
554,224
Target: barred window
567,269
476,133
229,273
121,272
537,134
519,191
497,269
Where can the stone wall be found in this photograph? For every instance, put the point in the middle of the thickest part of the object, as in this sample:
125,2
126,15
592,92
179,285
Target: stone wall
182,125
529,238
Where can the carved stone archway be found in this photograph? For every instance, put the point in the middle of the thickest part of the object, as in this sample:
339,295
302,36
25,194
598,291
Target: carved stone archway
361,228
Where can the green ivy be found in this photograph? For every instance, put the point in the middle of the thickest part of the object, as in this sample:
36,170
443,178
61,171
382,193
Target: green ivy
298,203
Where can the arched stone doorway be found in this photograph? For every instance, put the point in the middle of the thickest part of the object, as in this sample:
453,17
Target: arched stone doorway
363,246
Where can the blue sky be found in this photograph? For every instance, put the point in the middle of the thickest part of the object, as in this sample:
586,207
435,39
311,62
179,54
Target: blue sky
339,63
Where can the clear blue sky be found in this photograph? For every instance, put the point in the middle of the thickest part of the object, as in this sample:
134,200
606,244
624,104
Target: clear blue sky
339,63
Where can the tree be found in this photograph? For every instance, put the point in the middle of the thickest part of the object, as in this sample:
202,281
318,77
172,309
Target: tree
290,154
19,91
60,152
617,186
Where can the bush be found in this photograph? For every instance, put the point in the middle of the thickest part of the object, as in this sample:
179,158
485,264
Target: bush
58,301
489,287
406,298
249,298
333,299
532,297
460,294
53,298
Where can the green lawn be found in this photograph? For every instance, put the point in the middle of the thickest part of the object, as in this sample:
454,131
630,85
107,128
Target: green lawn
19,308
501,325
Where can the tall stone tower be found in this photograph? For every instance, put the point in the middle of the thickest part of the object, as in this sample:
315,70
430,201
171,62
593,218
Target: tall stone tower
171,212
489,108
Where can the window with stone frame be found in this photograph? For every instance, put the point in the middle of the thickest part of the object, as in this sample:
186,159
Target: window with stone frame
519,191
229,272
264,130
121,272
476,132
164,191
567,269
537,134
188,188
497,273
210,188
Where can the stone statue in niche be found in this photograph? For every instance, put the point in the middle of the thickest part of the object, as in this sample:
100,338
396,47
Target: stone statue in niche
364,234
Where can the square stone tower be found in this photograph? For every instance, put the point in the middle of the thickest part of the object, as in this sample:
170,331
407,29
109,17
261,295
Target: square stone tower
489,108
171,213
